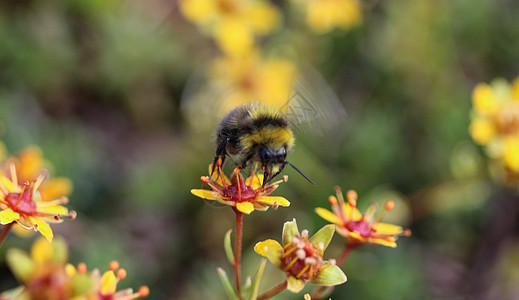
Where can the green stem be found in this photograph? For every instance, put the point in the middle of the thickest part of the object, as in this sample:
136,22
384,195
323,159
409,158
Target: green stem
5,231
273,291
237,251
340,261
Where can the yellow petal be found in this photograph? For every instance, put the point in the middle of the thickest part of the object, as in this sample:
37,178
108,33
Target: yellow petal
30,163
264,17
483,99
511,154
347,211
255,181
384,242
245,207
198,11
295,285
55,188
43,228
41,251
356,236
387,229
261,247
515,89
329,216
8,184
8,216
71,270
53,209
205,194
108,283
271,200
482,130
234,36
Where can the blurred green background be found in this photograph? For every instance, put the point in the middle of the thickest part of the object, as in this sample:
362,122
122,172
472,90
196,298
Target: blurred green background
98,86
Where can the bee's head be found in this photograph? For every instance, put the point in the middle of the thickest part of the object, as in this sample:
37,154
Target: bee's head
273,160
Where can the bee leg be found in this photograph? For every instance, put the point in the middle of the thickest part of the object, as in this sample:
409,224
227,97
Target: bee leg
220,153
243,163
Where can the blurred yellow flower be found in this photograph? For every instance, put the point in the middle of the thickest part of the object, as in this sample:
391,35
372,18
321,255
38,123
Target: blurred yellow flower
233,23
244,195
325,15
495,121
23,205
252,79
43,274
358,228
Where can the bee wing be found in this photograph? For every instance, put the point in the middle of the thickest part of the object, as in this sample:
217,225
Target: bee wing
313,106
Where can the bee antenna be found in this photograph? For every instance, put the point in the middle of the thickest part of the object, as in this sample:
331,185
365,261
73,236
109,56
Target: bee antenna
298,171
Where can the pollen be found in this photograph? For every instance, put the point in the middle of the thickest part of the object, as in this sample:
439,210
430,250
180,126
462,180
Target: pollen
121,273
114,265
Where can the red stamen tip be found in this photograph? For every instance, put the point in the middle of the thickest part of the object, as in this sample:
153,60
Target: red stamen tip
285,178
144,291
337,189
72,215
57,218
390,205
407,232
204,179
114,265
121,274
332,200
82,268
64,200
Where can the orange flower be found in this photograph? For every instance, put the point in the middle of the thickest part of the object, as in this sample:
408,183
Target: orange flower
358,228
23,205
245,195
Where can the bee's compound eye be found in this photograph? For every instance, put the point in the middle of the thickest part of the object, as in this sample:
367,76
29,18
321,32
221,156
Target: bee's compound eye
266,154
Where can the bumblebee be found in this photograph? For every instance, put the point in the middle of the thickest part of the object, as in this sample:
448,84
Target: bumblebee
256,133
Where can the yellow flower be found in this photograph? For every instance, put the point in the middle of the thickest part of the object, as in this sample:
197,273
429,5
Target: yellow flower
29,164
301,257
325,15
252,79
23,205
105,285
358,228
233,23
43,274
244,195
495,121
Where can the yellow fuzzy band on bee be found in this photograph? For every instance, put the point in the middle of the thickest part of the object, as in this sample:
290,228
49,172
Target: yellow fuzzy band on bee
274,137
260,111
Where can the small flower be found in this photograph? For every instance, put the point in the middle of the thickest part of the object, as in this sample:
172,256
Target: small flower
43,274
233,23
495,121
30,163
245,195
105,285
301,257
23,204
358,228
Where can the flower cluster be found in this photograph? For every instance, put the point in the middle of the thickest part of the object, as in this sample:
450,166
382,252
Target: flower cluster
495,121
45,274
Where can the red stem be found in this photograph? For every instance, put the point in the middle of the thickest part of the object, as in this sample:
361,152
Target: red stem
340,261
237,251
273,291
5,231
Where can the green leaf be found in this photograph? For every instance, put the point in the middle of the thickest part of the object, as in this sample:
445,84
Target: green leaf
329,275
12,293
324,235
227,284
289,231
228,247
257,279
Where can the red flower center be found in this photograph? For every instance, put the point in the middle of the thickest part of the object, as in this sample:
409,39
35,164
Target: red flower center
240,192
362,227
21,203
301,259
